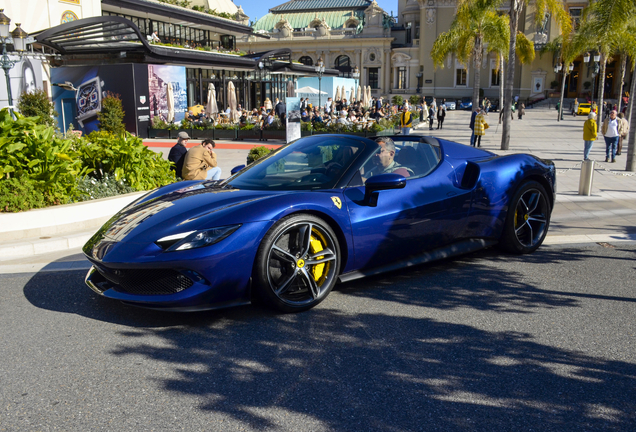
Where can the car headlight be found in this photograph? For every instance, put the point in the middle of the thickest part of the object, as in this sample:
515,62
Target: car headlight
195,239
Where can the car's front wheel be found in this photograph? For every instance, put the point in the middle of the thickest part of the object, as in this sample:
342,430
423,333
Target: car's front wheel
528,219
297,263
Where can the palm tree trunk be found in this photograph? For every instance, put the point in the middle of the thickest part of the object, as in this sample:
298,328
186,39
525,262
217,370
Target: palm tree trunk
622,77
501,84
631,115
565,75
601,85
477,56
515,12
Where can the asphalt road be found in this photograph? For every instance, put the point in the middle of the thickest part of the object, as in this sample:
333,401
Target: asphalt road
485,342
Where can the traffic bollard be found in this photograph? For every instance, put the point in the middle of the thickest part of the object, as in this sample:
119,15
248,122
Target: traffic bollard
587,177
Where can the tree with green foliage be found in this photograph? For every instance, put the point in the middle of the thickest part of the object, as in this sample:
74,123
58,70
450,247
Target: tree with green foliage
111,118
37,104
542,7
397,100
477,22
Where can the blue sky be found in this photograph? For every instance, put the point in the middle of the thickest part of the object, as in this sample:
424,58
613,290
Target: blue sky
258,8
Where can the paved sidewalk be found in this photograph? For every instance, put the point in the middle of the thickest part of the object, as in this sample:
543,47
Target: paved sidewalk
609,215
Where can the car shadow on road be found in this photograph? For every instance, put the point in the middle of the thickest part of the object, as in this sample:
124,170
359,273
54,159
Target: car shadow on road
332,369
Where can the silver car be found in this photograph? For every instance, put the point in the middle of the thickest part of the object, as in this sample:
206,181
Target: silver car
450,105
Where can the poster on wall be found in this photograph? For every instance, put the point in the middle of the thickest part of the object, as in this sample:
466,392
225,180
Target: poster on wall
25,76
81,104
168,109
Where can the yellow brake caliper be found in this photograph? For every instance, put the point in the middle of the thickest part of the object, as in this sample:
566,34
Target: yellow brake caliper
315,247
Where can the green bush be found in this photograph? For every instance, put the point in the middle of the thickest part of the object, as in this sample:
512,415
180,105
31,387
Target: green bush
126,158
37,104
33,150
159,123
397,100
20,194
257,153
90,188
111,118
414,100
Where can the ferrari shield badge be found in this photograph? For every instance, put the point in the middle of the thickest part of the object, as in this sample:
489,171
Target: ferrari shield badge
337,202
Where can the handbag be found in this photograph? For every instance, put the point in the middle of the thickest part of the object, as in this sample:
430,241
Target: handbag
486,126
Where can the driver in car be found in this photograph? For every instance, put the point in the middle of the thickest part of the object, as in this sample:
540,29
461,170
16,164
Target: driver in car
385,159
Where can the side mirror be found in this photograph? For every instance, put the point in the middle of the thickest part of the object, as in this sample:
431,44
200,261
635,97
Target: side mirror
237,169
381,182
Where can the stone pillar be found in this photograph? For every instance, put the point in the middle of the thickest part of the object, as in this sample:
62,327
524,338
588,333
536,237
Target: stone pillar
387,70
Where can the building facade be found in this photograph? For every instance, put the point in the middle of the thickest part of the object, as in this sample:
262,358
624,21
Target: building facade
394,57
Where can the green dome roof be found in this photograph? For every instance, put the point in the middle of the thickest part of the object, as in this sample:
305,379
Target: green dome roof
334,18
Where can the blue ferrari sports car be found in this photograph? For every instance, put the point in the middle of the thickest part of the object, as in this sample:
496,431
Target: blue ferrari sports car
322,209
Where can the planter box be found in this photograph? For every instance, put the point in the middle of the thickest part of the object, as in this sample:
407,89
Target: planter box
274,135
227,134
202,133
175,132
158,133
306,133
254,134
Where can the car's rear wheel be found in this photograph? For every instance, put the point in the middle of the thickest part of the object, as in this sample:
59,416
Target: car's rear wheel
297,263
528,219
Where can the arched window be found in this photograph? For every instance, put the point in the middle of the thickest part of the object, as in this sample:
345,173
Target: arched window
343,64
306,60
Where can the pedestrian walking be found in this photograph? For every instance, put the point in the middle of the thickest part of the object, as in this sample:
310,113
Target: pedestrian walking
522,110
406,121
624,134
480,127
575,108
471,125
612,129
441,114
589,135
431,117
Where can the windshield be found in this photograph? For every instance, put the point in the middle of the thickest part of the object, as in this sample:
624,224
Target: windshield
315,162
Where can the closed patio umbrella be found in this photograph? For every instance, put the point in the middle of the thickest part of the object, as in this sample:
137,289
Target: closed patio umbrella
352,93
359,94
170,101
290,89
337,97
211,107
231,100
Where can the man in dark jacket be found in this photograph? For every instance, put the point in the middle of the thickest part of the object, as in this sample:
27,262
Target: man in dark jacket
280,111
472,126
178,152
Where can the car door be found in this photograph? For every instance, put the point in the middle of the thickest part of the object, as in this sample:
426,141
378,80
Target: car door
407,222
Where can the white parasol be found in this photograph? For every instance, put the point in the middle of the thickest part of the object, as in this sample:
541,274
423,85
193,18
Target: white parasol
359,94
352,93
170,101
231,101
211,107
337,97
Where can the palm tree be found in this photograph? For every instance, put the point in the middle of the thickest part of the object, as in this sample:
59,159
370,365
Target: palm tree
476,23
556,9
605,27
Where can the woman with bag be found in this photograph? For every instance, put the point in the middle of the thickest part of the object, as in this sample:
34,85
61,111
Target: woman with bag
480,128
522,110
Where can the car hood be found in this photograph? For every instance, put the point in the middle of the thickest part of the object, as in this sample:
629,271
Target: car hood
188,209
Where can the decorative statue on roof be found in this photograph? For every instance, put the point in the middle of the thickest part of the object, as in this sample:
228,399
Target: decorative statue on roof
284,28
241,16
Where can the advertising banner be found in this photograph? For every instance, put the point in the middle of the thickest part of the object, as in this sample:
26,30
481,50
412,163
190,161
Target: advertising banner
81,104
293,118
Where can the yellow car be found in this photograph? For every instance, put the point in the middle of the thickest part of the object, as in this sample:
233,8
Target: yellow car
584,108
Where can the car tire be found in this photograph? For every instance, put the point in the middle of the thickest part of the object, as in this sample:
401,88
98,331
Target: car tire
297,263
528,219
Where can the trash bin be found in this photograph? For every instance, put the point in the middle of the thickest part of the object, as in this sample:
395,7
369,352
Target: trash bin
587,178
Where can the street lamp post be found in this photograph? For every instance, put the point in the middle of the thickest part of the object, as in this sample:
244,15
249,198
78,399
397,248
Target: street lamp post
356,76
595,71
18,38
320,70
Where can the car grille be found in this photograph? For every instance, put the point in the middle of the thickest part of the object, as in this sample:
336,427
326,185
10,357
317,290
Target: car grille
146,282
